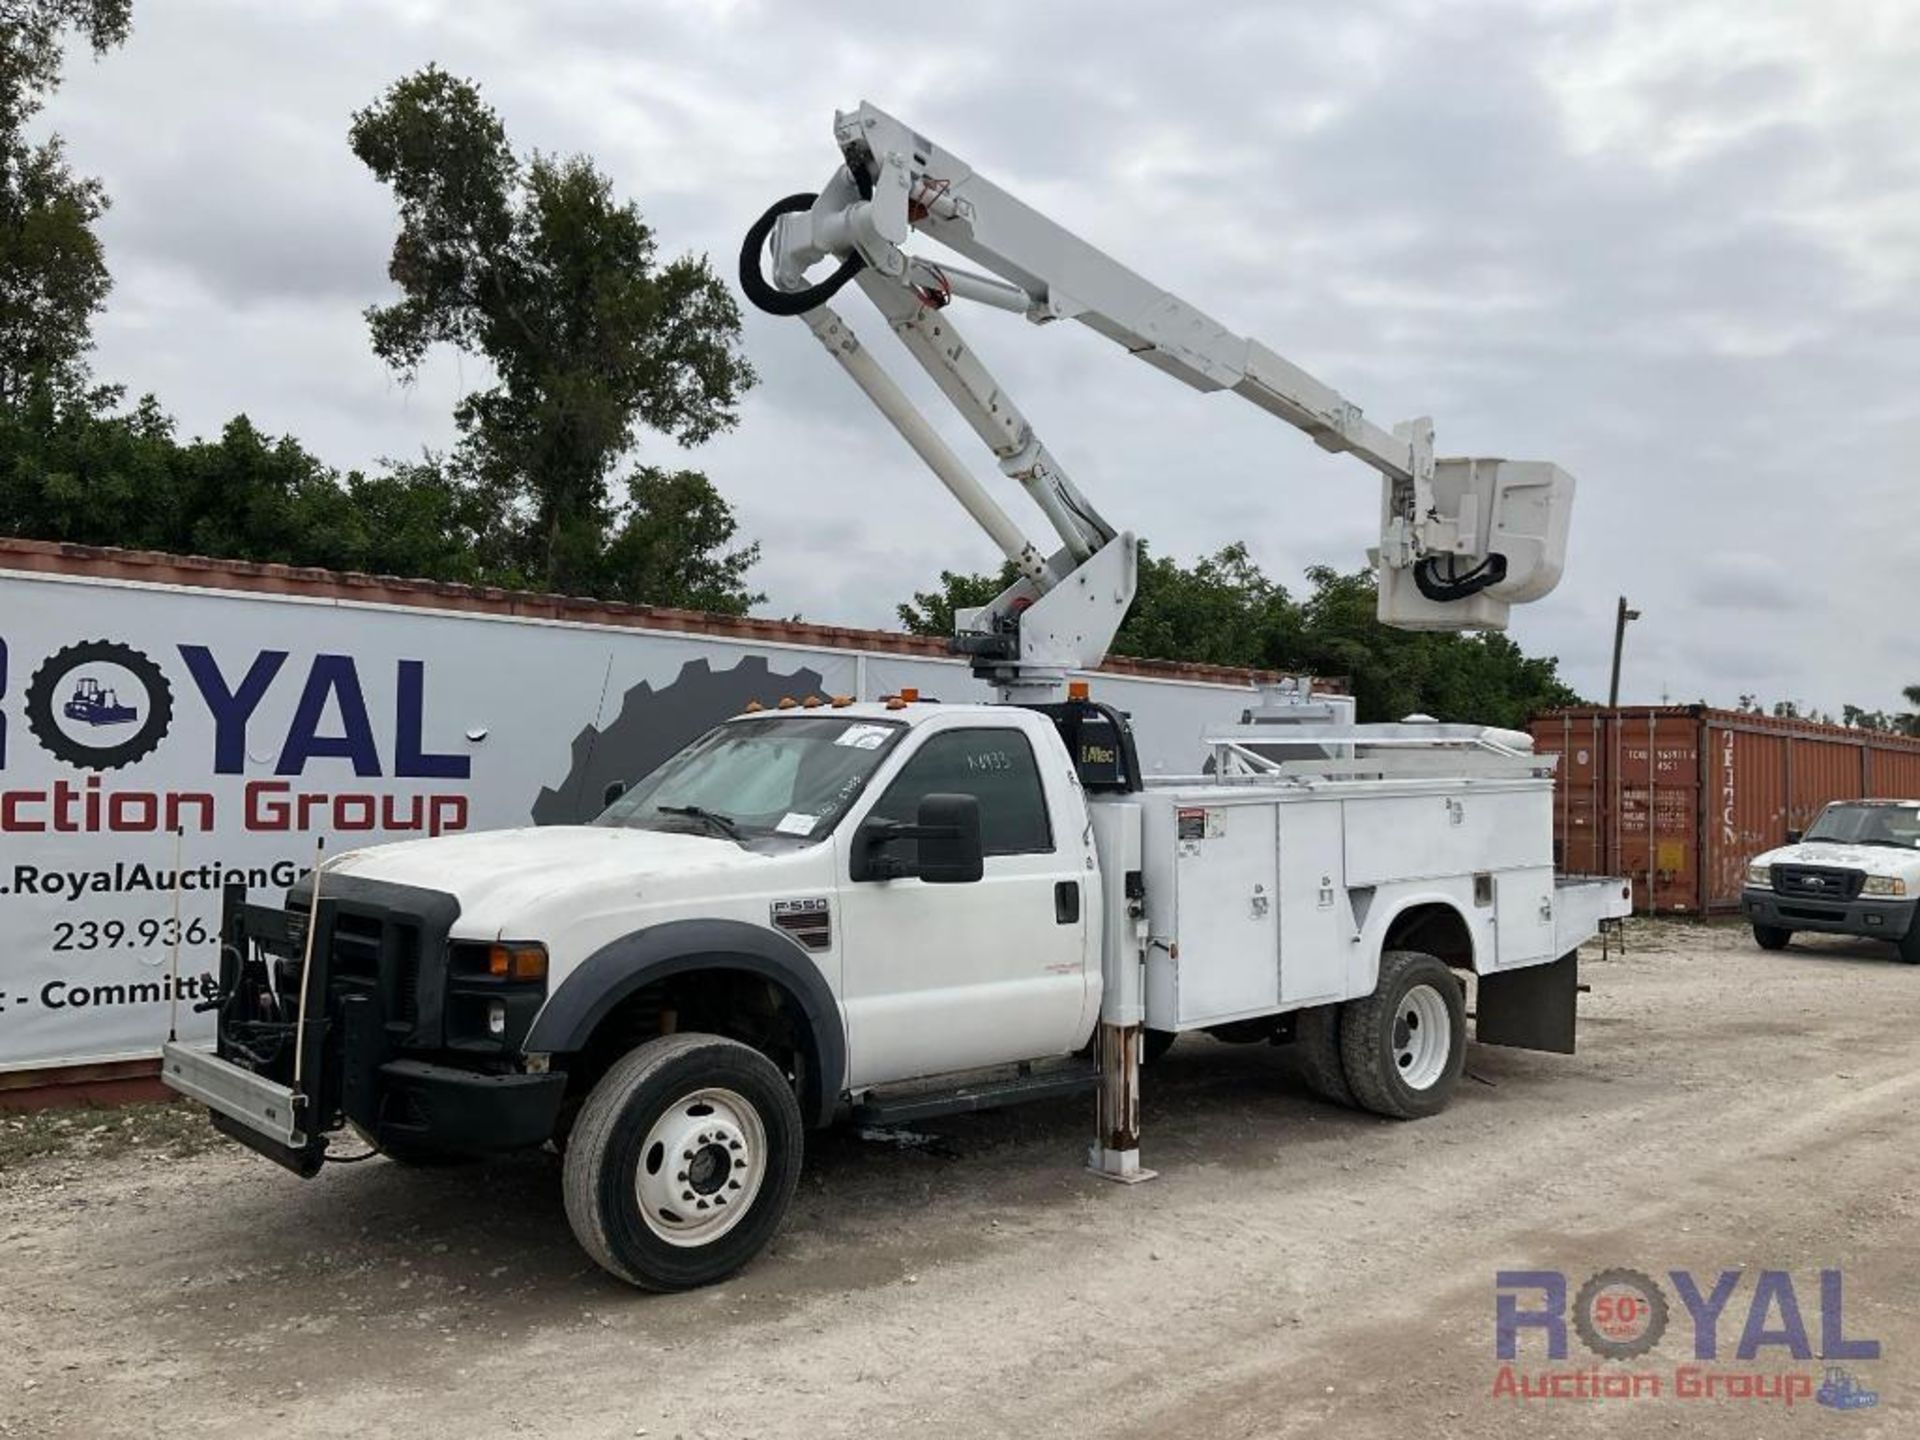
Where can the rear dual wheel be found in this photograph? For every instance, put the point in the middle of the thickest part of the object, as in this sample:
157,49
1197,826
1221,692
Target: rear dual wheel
1402,1048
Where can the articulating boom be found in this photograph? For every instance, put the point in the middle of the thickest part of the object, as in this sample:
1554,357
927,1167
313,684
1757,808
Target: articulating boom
1461,540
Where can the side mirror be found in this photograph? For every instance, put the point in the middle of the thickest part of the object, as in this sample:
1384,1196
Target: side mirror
613,792
950,852
947,832
1793,836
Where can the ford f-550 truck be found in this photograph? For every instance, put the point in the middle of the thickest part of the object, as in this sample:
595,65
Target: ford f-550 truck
899,909
909,908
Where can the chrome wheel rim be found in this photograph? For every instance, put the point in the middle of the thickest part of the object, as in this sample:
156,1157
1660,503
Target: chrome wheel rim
702,1164
1422,1037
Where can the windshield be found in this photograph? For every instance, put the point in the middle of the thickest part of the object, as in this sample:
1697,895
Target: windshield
1868,825
750,779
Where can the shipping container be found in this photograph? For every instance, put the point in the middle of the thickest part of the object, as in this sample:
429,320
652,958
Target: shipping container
1680,798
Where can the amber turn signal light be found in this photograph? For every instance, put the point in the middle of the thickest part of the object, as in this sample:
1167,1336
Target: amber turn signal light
517,962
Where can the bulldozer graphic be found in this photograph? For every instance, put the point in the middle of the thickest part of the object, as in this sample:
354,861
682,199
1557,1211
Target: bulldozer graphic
1839,1390
95,704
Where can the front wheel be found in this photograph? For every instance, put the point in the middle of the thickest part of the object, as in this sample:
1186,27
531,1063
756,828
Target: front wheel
1770,937
1402,1048
1910,943
683,1161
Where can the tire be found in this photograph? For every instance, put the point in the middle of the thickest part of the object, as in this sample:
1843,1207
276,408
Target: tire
1316,1045
732,1116
1403,1047
1155,1043
1910,943
1771,937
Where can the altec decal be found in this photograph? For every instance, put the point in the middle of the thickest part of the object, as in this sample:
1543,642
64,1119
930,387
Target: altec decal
100,705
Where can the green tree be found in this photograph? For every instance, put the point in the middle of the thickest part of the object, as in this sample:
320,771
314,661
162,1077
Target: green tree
1220,611
1223,610
537,268
53,274
74,468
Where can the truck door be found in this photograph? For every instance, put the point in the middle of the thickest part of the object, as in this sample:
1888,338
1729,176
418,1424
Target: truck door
947,977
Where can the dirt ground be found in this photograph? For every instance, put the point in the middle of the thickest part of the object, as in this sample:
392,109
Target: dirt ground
1296,1269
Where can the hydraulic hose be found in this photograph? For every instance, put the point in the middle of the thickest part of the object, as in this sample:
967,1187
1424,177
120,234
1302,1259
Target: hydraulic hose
1429,580
762,292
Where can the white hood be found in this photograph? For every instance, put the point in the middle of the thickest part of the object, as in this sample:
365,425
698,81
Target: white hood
501,875
1873,859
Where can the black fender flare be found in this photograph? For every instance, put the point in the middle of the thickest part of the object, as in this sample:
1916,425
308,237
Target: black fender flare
621,967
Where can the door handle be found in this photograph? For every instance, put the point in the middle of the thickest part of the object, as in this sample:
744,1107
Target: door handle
1066,902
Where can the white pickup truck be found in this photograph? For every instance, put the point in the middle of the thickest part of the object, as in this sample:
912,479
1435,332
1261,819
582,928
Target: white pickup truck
897,909
1856,871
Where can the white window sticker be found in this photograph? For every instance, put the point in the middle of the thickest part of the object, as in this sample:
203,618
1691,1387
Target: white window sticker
794,823
864,737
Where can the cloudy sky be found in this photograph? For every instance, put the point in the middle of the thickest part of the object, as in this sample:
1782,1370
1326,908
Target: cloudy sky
1673,246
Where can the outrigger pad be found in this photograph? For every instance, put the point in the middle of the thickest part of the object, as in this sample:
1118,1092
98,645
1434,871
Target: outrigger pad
1532,1008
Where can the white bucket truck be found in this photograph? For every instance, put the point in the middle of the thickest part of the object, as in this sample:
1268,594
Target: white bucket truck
912,908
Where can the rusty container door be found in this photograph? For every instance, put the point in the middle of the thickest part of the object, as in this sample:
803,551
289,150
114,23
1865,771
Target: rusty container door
1656,818
1580,810
1627,799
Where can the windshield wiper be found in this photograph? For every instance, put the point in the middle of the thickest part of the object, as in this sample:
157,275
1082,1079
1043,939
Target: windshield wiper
725,824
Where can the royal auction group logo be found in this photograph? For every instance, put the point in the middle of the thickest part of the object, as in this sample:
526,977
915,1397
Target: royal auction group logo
1622,1315
99,705
109,711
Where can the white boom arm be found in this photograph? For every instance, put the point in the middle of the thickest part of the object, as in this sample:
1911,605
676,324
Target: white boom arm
1460,540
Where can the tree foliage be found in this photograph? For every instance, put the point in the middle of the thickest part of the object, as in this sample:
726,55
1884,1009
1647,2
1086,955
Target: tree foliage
78,469
1890,722
1223,610
53,274
541,272
537,268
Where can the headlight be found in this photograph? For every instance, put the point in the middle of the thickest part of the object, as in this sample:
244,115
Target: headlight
1760,877
1883,885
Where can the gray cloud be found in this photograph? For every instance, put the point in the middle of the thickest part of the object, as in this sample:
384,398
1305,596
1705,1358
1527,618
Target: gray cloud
1673,246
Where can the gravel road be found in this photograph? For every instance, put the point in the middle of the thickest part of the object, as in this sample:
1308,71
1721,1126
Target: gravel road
1296,1270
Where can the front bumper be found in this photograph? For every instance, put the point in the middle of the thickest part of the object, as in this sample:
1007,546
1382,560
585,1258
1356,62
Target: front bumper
380,1051
1877,919
426,1104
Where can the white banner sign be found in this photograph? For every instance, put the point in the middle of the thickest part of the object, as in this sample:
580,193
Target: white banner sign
158,743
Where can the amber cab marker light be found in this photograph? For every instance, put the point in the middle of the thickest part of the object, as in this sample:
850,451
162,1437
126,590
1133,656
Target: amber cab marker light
754,706
517,962
840,702
1078,690
787,702
908,694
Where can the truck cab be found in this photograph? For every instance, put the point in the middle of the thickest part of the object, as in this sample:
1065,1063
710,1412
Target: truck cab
1856,871
846,895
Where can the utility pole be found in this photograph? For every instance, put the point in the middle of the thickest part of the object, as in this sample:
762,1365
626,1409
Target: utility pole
1620,619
